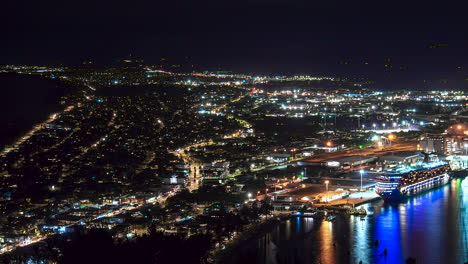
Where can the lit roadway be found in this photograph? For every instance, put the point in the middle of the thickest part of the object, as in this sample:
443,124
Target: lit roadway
195,176
193,185
123,209
233,101
118,211
406,146
36,128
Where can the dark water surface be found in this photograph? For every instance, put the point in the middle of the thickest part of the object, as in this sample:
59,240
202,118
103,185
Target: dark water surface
26,101
430,227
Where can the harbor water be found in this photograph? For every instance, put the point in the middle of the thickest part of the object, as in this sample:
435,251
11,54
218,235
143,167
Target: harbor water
430,227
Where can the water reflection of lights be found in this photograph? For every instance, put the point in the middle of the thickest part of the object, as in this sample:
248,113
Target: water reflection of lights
387,225
298,224
308,223
431,226
288,229
360,230
326,243
403,209
463,194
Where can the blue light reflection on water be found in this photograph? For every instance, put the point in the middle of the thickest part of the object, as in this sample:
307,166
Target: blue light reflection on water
426,227
388,232
431,227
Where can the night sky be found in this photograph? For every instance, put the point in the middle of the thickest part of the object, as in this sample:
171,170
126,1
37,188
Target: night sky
354,38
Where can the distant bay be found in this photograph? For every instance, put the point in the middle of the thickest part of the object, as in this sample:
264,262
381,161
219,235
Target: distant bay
27,100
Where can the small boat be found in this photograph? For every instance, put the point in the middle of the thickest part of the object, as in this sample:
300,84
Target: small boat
330,218
354,211
361,211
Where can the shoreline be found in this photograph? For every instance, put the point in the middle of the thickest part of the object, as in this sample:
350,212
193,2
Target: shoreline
19,124
258,229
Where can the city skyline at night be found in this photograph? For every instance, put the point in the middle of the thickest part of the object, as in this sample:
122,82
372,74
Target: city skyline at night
233,132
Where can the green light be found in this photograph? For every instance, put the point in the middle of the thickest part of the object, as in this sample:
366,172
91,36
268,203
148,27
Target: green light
360,146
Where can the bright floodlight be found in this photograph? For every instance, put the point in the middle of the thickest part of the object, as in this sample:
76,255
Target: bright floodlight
361,171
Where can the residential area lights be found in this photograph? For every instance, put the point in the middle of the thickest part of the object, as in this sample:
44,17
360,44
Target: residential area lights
178,143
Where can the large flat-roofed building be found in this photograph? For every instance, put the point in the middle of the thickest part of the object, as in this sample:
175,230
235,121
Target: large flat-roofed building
433,144
453,141
350,161
401,157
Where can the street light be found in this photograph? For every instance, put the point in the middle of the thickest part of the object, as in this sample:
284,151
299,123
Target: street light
249,195
361,172
326,184
390,138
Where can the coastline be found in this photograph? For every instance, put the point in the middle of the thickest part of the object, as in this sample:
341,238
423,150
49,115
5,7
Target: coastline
251,232
258,229
27,107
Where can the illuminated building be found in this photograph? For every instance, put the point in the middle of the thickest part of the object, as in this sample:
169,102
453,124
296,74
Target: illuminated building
433,144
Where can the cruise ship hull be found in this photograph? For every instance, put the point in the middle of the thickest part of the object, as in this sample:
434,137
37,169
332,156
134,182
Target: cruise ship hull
404,192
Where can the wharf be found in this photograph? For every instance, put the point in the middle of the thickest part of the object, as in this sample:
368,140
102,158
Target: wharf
354,199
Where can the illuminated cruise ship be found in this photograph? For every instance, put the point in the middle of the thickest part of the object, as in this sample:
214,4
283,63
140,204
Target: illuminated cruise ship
410,179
